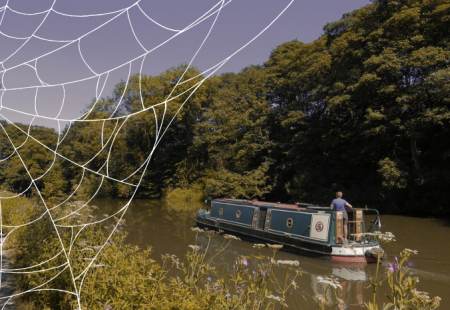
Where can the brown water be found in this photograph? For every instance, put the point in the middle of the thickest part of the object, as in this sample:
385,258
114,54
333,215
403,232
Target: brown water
166,228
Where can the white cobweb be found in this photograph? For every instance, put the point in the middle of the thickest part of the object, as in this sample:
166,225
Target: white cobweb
30,84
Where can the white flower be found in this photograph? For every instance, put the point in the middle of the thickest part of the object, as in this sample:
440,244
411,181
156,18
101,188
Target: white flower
231,237
259,246
195,248
330,281
277,298
290,263
196,229
275,246
411,251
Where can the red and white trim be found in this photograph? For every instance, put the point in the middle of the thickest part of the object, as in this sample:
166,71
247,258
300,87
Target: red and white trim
352,255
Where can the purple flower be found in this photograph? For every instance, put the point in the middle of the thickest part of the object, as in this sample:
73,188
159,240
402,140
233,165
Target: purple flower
117,230
396,257
209,279
119,223
109,308
392,267
410,263
263,273
245,261
43,240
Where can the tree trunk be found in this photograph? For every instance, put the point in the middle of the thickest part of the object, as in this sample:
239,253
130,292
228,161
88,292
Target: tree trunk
414,154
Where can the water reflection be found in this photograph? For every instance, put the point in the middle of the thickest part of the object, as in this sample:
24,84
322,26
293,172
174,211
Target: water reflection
166,227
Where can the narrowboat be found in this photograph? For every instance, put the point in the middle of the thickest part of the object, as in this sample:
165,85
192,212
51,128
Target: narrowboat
302,228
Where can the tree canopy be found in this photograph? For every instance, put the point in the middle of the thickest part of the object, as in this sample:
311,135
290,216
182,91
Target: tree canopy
363,110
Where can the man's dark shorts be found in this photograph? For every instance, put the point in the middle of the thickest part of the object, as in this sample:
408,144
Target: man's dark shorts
345,217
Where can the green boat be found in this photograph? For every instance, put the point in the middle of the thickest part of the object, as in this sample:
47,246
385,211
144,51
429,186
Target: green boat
302,228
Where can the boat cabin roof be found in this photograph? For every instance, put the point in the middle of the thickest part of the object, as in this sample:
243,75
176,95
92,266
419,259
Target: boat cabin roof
302,206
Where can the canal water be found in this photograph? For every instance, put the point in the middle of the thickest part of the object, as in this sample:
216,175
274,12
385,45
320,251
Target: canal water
166,227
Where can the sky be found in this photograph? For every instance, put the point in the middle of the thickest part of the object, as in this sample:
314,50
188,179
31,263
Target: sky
56,56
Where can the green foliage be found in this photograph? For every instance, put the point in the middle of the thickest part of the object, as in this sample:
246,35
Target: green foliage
363,110
119,275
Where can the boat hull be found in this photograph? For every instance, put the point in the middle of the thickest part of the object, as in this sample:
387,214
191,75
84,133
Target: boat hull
292,244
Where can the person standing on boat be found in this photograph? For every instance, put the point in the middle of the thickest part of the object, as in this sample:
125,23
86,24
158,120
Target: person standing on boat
340,205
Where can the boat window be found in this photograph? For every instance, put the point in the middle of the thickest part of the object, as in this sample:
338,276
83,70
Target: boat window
238,213
220,211
289,222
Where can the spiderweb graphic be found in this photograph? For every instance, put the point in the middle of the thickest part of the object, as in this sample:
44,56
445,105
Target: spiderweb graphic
38,83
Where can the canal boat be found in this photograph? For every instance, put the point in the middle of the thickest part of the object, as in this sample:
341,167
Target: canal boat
302,228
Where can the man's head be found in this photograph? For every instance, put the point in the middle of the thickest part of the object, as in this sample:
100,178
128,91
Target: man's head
339,195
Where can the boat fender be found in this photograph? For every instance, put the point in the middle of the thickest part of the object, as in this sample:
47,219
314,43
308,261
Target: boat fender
373,253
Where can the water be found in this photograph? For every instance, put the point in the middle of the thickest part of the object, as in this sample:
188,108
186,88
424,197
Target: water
166,228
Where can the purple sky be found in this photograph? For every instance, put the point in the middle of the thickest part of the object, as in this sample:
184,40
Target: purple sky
52,53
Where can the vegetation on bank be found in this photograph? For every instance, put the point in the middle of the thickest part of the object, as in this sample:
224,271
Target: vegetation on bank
364,109
107,273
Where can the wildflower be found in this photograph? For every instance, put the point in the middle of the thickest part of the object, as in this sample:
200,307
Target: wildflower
330,281
423,301
43,240
288,263
274,246
277,298
411,251
210,233
392,267
410,263
294,284
320,298
208,279
109,308
259,246
263,273
196,229
98,265
245,261
194,248
117,230
227,295
396,257
231,237
341,304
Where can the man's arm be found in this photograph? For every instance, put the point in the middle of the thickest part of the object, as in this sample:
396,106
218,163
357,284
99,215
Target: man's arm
331,207
348,205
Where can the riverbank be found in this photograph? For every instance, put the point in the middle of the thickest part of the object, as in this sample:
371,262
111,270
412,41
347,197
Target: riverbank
202,269
8,285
